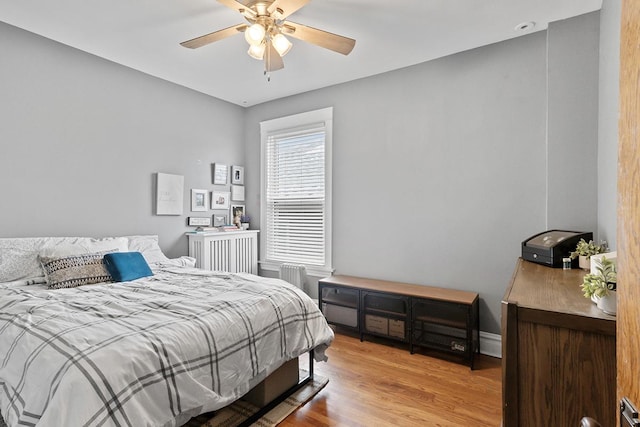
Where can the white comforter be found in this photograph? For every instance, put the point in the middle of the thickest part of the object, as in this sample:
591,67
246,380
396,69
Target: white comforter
151,352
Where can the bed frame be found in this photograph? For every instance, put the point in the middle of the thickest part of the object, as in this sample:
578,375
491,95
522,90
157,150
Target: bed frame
282,397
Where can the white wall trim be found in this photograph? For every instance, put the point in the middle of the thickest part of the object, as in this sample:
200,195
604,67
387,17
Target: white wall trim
491,344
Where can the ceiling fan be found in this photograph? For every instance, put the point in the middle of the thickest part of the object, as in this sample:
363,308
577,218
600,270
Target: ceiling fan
266,31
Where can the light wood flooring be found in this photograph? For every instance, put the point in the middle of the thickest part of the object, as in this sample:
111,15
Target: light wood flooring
375,384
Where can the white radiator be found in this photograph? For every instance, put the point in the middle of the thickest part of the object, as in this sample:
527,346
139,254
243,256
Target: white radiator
294,274
232,251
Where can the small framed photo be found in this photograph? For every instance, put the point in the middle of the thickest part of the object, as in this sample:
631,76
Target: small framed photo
220,199
237,211
199,200
194,221
220,219
237,175
220,173
237,193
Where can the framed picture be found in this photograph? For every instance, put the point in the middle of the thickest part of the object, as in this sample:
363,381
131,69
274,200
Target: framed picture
237,174
169,193
199,200
237,193
220,199
199,221
220,219
236,212
220,173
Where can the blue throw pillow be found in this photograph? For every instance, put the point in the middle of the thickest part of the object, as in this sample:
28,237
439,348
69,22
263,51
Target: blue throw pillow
125,266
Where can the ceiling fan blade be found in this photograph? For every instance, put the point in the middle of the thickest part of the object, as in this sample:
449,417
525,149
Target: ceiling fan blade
214,37
272,59
286,6
238,7
334,42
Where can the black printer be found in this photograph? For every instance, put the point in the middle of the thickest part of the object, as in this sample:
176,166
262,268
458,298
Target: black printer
549,247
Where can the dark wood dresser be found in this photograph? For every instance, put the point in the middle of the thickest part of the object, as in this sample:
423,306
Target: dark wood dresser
558,351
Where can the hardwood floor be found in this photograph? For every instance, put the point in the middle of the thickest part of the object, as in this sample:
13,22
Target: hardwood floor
373,384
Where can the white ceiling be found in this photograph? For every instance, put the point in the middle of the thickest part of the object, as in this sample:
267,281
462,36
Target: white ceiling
145,35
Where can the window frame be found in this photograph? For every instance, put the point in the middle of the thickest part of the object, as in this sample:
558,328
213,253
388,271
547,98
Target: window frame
284,124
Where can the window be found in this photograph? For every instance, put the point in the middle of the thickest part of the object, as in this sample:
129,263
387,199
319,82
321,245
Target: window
296,191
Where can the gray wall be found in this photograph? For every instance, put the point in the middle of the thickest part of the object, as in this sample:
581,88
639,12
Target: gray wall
81,138
572,123
608,120
440,169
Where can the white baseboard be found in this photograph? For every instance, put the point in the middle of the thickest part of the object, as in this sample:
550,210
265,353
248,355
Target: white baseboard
491,344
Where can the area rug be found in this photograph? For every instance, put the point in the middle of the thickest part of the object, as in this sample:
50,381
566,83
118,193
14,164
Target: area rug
234,414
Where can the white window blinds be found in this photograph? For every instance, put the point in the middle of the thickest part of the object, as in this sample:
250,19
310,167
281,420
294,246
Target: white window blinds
295,196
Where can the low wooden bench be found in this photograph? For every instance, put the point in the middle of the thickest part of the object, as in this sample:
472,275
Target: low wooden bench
445,320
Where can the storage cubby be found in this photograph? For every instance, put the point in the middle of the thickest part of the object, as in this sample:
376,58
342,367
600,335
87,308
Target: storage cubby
385,315
444,326
340,305
444,320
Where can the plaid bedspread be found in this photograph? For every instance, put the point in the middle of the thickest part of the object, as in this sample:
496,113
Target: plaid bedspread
151,352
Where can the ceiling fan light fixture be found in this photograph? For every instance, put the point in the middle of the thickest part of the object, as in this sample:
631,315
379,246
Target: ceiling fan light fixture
266,28
281,44
257,52
255,34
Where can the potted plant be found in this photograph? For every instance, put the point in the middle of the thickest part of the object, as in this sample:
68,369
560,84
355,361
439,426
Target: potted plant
584,251
602,285
244,221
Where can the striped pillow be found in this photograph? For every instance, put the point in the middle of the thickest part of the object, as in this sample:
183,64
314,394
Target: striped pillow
75,270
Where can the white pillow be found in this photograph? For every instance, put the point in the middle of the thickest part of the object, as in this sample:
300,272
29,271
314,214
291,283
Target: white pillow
19,256
148,247
19,263
183,261
86,246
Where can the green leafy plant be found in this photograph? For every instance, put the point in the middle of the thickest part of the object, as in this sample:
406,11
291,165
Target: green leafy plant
602,282
587,249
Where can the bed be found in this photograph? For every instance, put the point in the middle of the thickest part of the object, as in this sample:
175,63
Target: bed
154,351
